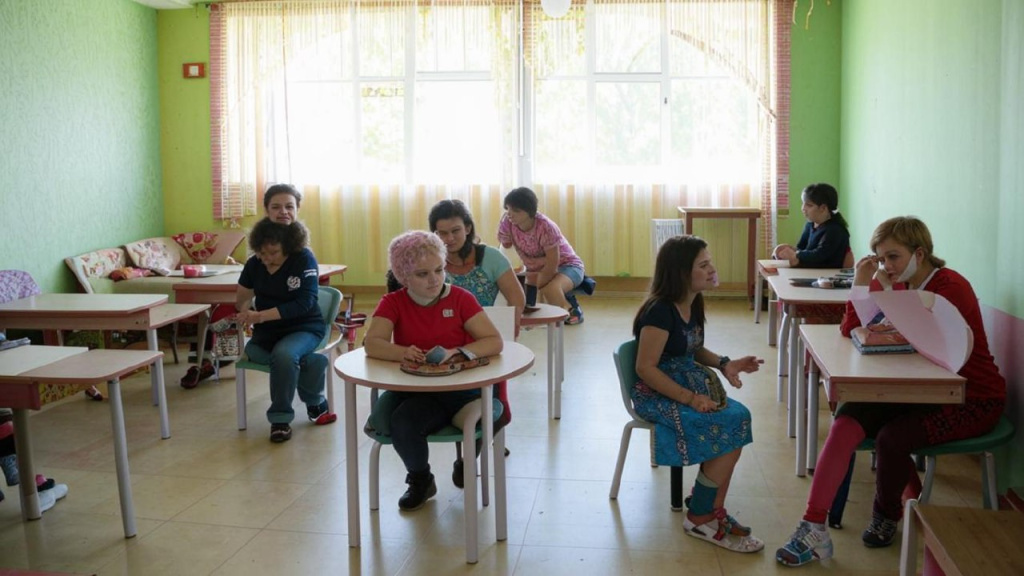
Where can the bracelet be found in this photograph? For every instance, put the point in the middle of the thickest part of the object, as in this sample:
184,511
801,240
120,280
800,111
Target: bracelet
722,361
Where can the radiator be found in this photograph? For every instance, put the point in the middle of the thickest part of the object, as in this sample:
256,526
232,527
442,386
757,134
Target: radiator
661,230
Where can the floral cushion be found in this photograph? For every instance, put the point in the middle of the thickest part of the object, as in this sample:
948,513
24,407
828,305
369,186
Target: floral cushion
159,254
198,245
97,264
129,272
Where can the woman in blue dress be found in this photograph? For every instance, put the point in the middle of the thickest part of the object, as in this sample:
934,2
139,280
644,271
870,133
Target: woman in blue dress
695,422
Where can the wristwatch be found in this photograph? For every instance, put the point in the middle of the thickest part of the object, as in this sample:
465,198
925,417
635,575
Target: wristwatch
722,361
465,352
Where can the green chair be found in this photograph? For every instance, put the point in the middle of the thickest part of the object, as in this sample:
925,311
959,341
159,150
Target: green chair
330,302
625,365
1001,434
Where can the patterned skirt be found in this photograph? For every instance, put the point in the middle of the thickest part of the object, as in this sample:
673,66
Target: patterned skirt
683,436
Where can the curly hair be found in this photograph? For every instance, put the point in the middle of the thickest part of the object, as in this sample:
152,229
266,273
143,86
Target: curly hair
281,189
292,237
407,249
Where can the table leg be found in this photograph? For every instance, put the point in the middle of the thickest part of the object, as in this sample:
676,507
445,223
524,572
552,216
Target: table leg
773,319
352,464
559,368
469,481
203,322
487,425
908,550
782,353
801,411
791,366
758,295
26,470
500,500
159,388
124,480
551,372
812,416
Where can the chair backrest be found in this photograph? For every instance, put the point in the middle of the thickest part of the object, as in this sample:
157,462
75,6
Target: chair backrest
504,319
16,284
849,260
330,302
625,366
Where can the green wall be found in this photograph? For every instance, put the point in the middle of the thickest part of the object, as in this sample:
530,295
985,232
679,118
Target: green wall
814,109
80,152
933,125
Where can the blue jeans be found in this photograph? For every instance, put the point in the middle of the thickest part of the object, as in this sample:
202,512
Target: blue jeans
293,364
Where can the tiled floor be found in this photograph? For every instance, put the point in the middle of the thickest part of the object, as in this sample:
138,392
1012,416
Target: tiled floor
213,500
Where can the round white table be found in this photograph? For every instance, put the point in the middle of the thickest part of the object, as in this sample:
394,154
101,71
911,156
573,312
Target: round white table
358,370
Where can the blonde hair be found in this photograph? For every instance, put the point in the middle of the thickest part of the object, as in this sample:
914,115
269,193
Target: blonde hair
909,231
407,249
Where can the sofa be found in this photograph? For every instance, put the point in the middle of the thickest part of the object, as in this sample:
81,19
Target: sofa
140,267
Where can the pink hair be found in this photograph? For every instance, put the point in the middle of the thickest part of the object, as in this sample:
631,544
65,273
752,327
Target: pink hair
407,249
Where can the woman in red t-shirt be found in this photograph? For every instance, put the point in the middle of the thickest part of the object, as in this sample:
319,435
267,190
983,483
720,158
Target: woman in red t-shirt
407,323
902,258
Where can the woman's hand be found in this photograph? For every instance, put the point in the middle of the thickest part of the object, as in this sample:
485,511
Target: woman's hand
702,403
414,354
777,253
732,370
865,270
248,318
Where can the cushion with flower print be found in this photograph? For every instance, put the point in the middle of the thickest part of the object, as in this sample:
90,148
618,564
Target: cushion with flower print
198,245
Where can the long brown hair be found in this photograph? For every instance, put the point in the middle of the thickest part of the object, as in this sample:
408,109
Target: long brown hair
673,270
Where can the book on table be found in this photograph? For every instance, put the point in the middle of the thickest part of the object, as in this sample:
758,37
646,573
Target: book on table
880,339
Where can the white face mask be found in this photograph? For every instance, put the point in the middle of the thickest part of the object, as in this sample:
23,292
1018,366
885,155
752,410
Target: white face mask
910,270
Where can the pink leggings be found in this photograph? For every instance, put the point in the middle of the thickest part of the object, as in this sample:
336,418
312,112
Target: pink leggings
833,462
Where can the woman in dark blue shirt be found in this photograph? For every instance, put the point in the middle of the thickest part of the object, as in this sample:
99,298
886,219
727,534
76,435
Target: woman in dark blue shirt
826,239
278,296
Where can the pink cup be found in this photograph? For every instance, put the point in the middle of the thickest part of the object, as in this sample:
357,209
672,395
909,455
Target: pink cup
192,270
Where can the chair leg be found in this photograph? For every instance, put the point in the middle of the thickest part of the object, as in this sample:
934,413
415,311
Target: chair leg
375,476
174,341
988,481
677,488
929,477
627,432
240,397
330,380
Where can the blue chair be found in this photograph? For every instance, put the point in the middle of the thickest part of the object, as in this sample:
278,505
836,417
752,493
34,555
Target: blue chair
625,365
330,302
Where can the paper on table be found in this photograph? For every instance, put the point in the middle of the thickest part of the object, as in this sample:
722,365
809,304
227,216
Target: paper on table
931,323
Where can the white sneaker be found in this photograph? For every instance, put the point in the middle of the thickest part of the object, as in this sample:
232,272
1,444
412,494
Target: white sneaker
47,498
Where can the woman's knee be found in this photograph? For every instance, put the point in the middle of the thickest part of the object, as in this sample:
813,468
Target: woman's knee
315,361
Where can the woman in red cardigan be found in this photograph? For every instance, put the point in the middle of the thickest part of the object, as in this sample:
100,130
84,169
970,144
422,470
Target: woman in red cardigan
903,259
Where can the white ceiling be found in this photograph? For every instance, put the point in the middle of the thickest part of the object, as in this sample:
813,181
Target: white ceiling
166,4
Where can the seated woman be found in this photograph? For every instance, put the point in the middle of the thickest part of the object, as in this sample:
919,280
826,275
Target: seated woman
903,247
407,323
695,422
552,266
825,240
286,320
483,271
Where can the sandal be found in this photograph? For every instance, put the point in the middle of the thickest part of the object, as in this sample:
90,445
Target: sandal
93,393
716,533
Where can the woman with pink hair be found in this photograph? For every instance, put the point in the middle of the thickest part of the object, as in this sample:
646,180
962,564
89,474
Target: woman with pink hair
407,323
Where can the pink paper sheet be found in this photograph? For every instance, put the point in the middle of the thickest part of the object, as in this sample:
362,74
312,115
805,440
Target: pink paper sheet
931,323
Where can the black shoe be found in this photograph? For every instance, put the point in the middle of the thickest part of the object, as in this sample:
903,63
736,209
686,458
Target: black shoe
457,470
280,433
880,533
315,412
421,488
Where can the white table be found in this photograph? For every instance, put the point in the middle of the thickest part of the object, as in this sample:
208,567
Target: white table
146,312
766,268
356,369
553,318
854,377
23,369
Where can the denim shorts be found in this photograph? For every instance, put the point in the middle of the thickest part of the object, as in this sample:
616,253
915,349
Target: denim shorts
574,273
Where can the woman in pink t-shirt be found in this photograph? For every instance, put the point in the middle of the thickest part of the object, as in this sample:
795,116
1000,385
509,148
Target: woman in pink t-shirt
552,267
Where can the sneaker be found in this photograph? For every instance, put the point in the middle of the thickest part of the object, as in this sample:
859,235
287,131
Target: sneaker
457,473
571,299
421,488
811,541
280,433
880,533
575,316
321,414
717,533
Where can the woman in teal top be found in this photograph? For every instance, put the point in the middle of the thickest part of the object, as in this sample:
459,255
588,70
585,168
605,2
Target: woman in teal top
481,269
484,272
